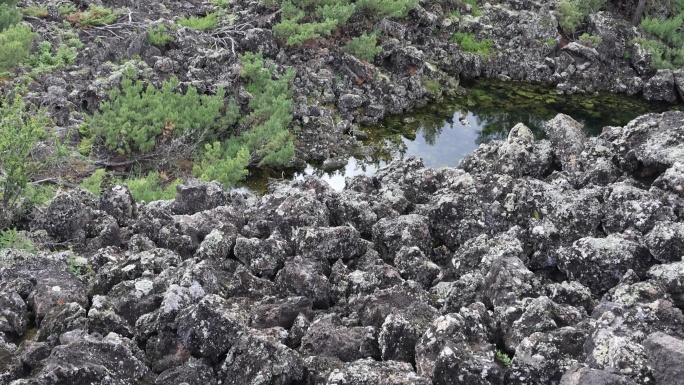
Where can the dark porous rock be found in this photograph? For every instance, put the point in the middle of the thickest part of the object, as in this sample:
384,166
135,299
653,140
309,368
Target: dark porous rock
195,196
542,358
103,319
66,216
661,87
256,357
349,102
672,180
468,364
165,351
414,265
263,257
371,274
218,244
327,336
628,207
469,288
318,368
352,208
88,359
101,231
192,372
649,144
390,235
243,283
666,241
305,277
474,325
118,202
567,139
330,243
272,312
260,40
210,327
13,314
508,281
478,253
61,319
407,299
570,293
666,357
53,289
582,375
599,263
371,372
534,315
398,338
671,277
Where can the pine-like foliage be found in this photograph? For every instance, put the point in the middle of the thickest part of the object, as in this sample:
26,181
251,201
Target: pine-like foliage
268,140
364,47
20,130
9,14
15,45
137,117
304,20
571,13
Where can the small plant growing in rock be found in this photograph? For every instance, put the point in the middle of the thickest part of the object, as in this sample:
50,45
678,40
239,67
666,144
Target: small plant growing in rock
469,43
571,13
40,12
364,47
95,16
15,45
590,40
158,36
210,21
503,357
12,239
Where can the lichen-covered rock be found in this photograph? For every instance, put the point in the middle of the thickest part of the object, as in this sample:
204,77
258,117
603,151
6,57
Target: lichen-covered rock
67,215
193,372
195,196
599,263
414,265
305,277
581,375
411,230
13,314
327,336
661,87
118,202
628,207
91,359
263,257
330,243
273,312
666,241
508,280
567,139
210,327
368,372
666,356
258,358
61,319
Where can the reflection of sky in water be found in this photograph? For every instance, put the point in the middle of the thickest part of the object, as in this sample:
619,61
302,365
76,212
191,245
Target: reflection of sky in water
451,145
455,141
336,178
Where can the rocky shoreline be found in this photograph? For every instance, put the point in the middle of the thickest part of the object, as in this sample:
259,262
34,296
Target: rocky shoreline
533,262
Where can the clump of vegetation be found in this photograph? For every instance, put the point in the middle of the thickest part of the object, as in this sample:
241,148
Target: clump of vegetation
15,45
95,16
12,239
67,9
39,11
322,18
9,14
152,187
469,43
364,47
45,61
397,9
137,118
668,50
20,131
159,36
267,140
590,40
571,13
432,86
210,21
503,357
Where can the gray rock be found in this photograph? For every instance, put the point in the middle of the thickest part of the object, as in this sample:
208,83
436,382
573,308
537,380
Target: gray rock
666,356
661,87
327,336
666,241
13,314
263,257
567,139
370,372
580,375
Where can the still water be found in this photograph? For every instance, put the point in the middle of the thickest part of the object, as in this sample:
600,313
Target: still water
443,133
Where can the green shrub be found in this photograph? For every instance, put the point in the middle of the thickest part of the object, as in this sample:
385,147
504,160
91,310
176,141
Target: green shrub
364,47
136,117
503,357
151,187
94,181
571,13
95,16
44,61
12,239
67,9
37,11
158,36
397,9
20,130
210,21
469,43
328,17
9,14
15,45
590,40
268,139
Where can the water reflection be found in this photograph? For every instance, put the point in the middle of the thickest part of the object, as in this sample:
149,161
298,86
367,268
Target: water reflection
336,179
